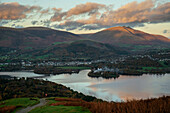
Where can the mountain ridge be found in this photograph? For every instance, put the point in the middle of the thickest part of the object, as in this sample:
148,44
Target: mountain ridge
42,37
127,35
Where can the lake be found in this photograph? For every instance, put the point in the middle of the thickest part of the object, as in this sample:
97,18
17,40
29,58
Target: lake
120,89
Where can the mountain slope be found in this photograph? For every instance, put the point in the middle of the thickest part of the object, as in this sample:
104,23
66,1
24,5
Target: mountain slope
45,43
82,49
36,37
127,35
40,43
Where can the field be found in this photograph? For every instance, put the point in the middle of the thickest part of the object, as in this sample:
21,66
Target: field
60,109
63,100
17,103
70,67
73,105
56,43
149,68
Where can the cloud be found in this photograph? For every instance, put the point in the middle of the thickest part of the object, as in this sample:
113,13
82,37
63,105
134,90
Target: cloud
72,25
166,31
16,26
46,23
45,11
34,22
90,27
69,25
131,14
3,22
58,15
87,8
14,11
89,16
140,13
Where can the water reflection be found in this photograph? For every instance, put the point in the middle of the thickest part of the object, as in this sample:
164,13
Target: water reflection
21,74
122,88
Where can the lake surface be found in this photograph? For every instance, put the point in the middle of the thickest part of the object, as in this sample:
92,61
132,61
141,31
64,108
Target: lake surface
120,89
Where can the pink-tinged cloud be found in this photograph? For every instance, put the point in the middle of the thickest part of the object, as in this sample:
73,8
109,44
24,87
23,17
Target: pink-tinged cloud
13,11
133,13
138,13
89,8
45,11
58,15
85,8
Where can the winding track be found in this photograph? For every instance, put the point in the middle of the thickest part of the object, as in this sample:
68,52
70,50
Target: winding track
29,108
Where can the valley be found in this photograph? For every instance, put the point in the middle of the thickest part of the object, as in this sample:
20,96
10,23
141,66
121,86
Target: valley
100,69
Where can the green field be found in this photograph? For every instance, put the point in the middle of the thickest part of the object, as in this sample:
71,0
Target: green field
56,43
18,103
70,67
52,100
28,48
161,62
24,102
44,56
59,109
149,68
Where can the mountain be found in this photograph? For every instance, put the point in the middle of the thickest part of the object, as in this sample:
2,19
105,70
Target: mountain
46,43
41,43
34,37
81,49
127,36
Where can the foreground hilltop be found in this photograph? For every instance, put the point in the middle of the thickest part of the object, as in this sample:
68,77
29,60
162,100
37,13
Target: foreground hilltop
62,99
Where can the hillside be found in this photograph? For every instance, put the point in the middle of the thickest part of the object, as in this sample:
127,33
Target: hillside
33,37
126,36
82,49
64,100
45,43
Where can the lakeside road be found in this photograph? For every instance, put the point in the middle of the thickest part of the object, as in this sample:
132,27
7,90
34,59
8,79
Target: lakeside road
43,102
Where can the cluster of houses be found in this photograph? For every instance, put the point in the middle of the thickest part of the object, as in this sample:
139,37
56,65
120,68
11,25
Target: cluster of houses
50,63
105,69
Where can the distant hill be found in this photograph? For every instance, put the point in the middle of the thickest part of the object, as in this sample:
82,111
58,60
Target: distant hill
41,43
33,37
127,36
85,49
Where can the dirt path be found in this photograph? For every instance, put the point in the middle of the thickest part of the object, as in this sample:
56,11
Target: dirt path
29,108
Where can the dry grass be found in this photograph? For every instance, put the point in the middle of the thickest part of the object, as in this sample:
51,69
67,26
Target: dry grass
160,105
69,99
7,109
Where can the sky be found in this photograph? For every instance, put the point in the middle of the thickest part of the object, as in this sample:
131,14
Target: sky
87,16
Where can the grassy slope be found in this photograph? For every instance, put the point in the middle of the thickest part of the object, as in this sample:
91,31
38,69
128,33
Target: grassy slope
59,109
68,105
24,102
18,103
